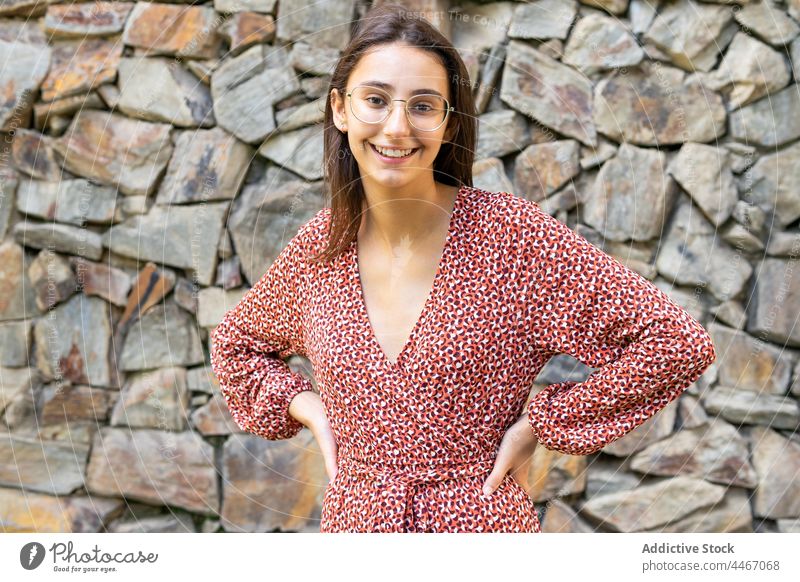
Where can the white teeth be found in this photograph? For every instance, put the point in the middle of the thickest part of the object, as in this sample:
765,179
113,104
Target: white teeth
393,153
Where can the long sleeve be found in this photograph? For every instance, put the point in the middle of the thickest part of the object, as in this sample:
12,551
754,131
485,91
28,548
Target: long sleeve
587,304
249,344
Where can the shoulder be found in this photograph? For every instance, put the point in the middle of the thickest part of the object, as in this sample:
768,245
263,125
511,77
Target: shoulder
311,236
526,227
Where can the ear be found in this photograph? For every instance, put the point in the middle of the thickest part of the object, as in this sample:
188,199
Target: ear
337,105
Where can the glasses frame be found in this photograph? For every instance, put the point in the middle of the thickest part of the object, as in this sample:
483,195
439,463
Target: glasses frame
447,110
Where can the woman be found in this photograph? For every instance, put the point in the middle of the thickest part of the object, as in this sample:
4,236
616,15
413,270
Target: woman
428,307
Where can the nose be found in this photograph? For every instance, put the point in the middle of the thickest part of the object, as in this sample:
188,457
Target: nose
397,122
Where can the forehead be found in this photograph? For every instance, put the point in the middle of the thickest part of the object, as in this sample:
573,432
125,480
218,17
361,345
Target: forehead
403,67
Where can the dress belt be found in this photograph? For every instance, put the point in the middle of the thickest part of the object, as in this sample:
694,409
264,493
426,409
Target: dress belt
399,484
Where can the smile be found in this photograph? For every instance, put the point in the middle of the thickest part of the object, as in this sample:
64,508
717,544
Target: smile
395,154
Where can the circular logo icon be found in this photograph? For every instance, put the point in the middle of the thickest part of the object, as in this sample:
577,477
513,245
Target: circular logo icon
31,555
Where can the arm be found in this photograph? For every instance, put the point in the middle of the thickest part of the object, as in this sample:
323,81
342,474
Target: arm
587,304
248,346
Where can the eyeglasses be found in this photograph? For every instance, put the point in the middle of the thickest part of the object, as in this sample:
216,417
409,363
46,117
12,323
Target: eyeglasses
426,112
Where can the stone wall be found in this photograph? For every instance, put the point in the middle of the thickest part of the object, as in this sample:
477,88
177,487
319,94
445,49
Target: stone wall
144,144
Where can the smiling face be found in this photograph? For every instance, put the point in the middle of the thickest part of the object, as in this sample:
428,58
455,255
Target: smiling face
403,70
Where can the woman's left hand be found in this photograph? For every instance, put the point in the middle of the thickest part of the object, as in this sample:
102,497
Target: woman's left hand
514,455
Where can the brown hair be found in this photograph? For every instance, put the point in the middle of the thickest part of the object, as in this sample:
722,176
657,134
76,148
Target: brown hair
453,165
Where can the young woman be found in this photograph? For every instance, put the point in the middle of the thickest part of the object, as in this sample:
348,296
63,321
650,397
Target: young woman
428,307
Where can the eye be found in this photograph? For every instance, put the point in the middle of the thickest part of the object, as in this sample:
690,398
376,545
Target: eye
374,100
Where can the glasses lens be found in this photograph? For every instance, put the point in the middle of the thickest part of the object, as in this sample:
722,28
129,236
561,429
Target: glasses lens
371,105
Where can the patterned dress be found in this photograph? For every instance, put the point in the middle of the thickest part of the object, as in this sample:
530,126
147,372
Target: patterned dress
417,437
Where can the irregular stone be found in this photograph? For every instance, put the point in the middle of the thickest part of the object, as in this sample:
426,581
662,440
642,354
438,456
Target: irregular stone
59,237
74,343
730,313
692,33
79,66
151,286
154,466
49,116
630,198
714,451
489,174
252,77
164,336
101,280
244,29
618,7
768,22
502,132
8,188
185,31
159,89
17,299
770,122
207,165
155,399
598,42
32,153
180,236
301,115
25,67
175,523
543,19
784,244
691,254
186,295
541,169
54,468
561,518
775,302
15,344
299,151
478,28
552,93
85,20
16,383
731,515
214,418
316,60
275,212
650,431
271,484
776,460
655,105
704,171
229,274
63,401
72,201
748,407
115,150
654,505
553,474
749,71
610,477
29,512
231,6
52,279
774,180
747,363
322,22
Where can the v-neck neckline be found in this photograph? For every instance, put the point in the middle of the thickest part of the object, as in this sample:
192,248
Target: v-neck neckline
369,330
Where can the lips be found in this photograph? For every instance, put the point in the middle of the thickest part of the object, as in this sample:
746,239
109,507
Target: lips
413,151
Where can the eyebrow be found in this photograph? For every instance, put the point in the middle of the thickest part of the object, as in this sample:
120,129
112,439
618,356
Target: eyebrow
382,85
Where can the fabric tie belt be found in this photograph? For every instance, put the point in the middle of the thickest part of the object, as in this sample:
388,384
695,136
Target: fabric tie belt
400,483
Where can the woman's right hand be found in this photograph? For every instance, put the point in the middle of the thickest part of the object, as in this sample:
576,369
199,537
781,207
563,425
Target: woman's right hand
307,407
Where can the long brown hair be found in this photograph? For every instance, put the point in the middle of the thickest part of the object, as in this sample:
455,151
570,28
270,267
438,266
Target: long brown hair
385,24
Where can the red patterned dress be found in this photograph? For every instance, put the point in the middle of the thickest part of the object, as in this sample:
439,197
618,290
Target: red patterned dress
417,438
